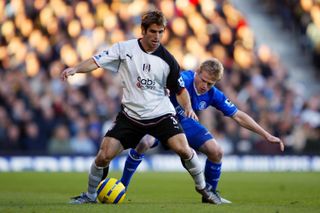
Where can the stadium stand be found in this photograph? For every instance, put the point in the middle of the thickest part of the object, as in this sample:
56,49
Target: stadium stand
39,114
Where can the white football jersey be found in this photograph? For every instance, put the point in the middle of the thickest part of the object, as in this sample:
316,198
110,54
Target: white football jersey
144,77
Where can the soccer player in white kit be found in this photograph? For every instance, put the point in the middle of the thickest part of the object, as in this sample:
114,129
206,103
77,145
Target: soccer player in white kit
147,69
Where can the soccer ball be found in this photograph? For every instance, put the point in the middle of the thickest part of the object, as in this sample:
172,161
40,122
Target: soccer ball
111,190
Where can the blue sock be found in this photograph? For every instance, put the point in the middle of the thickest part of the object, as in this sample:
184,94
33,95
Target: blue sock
131,165
212,174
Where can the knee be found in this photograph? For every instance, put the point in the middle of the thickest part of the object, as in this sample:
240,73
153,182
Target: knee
184,152
103,158
145,144
109,148
216,154
179,145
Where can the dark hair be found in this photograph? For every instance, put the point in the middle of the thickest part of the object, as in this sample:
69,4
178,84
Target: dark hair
153,17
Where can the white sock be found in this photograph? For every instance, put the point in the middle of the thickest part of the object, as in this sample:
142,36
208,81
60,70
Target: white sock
95,175
195,169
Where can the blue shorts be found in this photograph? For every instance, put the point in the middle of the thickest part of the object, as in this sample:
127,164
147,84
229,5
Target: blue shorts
196,133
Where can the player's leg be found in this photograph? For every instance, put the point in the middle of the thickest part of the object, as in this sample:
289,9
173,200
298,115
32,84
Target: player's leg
200,139
178,143
122,135
213,163
134,158
169,131
109,148
212,170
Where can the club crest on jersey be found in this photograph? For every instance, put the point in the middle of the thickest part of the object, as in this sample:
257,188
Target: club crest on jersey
229,103
202,105
146,68
145,83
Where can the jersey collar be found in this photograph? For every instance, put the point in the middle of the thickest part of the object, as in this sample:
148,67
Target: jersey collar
194,85
141,47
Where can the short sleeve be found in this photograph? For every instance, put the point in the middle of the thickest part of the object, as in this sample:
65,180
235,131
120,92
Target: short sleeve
109,59
222,103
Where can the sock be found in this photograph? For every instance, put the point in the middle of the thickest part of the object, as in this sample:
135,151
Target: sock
195,169
212,174
95,175
131,165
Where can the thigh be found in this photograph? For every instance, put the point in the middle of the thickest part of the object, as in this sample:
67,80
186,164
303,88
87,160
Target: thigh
178,143
196,134
128,133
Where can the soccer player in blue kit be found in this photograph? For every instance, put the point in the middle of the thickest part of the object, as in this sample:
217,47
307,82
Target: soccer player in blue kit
203,93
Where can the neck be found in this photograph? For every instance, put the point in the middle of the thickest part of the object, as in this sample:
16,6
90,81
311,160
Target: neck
194,84
146,47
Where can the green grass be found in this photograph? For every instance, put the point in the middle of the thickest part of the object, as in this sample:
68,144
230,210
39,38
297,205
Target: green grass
163,192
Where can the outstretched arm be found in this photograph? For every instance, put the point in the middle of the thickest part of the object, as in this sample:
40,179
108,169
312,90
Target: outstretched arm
244,120
84,67
184,101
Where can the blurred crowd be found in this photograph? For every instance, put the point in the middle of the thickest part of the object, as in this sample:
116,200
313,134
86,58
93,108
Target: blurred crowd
40,114
301,17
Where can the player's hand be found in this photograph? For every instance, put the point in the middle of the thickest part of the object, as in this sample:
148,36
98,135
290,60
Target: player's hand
273,139
67,72
189,113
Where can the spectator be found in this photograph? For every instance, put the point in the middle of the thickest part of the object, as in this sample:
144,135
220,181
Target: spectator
59,143
33,51
33,141
12,142
82,144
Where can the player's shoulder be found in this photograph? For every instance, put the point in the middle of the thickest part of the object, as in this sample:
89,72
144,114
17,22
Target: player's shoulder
216,94
188,76
215,89
163,51
128,43
165,55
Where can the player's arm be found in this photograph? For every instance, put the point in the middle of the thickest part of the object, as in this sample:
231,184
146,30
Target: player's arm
176,86
83,67
184,101
244,120
108,59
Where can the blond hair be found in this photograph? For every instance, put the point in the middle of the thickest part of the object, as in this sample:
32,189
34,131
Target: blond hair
214,68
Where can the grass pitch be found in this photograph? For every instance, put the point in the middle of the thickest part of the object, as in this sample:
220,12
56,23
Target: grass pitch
163,192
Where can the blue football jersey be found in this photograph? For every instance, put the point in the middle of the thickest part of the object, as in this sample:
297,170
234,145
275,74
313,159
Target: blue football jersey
214,97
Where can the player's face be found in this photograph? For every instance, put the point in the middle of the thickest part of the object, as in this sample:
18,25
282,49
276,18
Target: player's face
152,37
203,82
